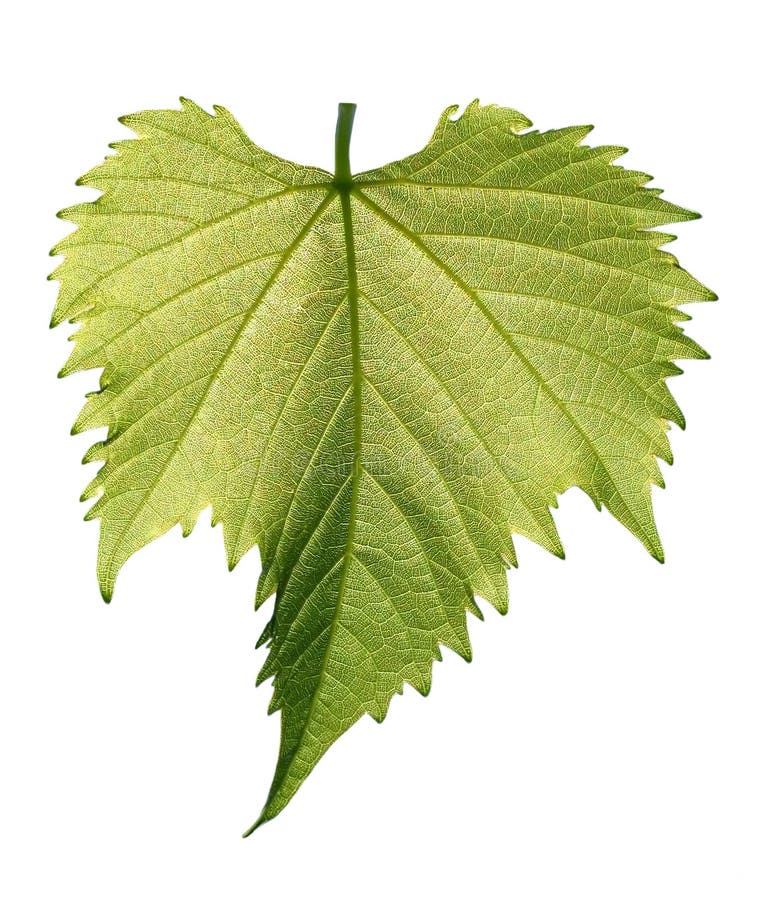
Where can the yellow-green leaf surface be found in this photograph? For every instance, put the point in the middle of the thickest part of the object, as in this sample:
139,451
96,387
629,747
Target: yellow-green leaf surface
377,379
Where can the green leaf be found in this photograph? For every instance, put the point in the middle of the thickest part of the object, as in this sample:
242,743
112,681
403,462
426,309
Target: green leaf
376,379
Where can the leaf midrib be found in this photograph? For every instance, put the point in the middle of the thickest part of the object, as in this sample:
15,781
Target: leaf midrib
357,384
355,476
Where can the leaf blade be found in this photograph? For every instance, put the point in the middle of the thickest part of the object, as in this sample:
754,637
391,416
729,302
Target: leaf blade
376,381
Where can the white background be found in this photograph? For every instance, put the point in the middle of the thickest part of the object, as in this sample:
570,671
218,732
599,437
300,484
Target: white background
614,737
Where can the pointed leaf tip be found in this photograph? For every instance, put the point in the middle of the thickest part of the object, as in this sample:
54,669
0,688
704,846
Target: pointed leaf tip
257,824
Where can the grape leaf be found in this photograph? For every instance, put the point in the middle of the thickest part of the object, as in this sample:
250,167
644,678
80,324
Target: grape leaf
377,379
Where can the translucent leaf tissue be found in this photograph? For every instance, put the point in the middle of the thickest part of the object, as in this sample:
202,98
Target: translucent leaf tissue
375,378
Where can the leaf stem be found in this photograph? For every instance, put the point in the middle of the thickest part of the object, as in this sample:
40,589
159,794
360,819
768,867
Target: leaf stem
342,176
